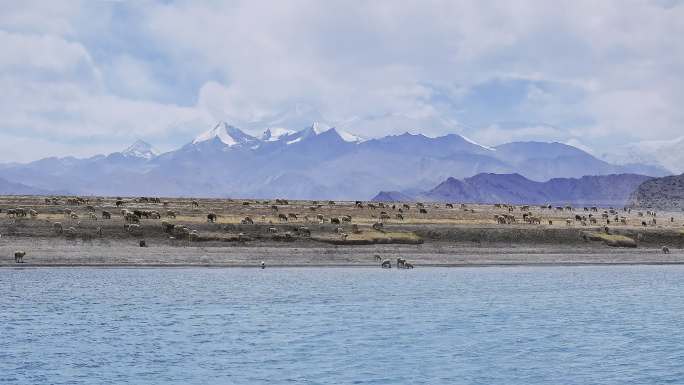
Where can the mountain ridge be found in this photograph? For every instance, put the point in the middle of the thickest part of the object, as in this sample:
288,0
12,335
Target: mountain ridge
604,190
316,162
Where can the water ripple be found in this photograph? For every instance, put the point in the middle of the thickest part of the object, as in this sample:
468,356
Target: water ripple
599,325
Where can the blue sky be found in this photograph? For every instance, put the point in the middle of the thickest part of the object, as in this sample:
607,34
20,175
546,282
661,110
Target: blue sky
91,77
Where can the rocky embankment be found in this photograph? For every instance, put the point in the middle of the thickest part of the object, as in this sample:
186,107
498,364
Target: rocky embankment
665,193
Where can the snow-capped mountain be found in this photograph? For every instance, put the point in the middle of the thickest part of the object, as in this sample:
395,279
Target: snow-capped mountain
228,135
317,161
665,153
140,149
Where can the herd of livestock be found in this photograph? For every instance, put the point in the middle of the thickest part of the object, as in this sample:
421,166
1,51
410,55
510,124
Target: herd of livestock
75,209
510,214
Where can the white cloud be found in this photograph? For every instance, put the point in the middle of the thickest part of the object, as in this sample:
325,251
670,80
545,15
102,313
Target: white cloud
602,72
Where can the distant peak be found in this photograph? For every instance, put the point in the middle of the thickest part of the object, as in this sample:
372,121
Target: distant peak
140,149
227,134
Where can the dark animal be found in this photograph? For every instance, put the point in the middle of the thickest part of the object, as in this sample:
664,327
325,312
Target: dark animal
19,256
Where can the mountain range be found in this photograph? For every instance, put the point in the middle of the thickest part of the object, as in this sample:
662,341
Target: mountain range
316,162
602,190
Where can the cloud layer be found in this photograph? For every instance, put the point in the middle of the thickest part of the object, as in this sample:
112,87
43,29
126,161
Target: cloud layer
83,78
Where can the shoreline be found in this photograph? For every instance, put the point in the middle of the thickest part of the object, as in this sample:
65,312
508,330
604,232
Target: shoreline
333,266
50,252
241,234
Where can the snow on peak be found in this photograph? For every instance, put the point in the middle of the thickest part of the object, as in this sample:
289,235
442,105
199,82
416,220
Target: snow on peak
476,143
319,128
227,134
349,137
140,149
275,133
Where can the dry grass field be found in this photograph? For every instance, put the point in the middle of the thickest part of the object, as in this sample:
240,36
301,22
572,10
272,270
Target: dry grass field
179,231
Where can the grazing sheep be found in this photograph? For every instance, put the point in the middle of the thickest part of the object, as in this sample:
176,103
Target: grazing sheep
335,221
292,215
71,232
106,215
423,211
282,217
211,218
408,265
131,218
194,235
378,258
19,256
304,231
400,263
135,229
168,227
386,264
666,250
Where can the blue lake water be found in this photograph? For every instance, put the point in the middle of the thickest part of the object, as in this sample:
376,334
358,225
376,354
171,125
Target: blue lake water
519,325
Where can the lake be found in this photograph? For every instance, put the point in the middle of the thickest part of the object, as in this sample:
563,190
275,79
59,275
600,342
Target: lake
498,325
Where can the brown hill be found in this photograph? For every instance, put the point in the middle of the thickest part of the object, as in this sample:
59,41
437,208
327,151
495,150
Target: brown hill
665,193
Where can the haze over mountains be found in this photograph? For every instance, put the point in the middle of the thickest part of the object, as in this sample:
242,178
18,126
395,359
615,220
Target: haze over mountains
316,162
666,153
